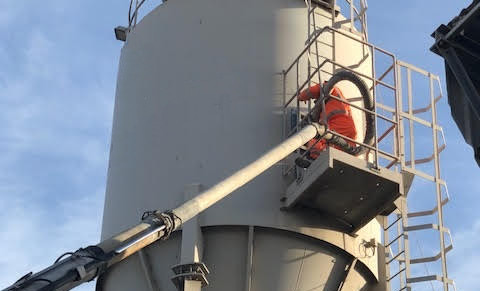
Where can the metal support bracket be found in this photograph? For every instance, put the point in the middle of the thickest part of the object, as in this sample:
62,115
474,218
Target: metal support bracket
190,272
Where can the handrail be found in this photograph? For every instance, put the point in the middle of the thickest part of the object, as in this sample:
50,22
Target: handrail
377,81
132,17
426,159
312,72
426,108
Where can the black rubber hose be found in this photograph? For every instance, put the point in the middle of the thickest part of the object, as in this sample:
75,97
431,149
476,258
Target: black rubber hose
367,104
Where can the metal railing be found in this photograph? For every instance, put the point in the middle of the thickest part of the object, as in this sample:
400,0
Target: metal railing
314,76
410,121
134,10
404,154
356,14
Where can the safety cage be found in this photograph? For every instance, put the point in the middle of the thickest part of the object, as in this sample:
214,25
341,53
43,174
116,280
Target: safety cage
407,142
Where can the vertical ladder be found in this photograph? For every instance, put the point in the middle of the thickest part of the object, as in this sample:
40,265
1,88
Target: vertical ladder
400,260
401,255
399,273
357,15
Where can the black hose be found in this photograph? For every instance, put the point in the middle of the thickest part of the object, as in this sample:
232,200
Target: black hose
367,104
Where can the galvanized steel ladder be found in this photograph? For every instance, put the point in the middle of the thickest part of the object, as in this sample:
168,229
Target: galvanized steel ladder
398,231
397,247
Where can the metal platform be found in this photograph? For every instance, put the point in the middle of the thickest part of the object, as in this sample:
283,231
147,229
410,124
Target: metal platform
347,188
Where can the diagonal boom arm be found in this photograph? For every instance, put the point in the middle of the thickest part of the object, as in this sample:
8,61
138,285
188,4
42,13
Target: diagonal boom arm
86,264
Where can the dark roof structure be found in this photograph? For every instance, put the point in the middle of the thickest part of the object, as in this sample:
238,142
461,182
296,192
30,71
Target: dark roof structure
458,43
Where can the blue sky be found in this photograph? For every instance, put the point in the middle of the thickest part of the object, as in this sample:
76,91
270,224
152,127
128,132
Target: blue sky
58,64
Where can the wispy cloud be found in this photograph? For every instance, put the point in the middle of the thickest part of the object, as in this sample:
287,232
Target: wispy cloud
58,63
55,121
464,257
32,236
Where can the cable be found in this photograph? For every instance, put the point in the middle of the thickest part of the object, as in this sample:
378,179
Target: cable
61,256
367,103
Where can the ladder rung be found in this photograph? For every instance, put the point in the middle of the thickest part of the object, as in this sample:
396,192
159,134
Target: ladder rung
396,274
396,256
421,226
423,279
427,212
393,223
394,240
428,278
430,259
425,226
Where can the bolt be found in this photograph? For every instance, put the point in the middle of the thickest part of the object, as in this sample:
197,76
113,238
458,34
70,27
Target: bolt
341,171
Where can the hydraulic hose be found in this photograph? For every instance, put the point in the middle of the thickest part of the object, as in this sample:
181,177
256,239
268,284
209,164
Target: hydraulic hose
367,104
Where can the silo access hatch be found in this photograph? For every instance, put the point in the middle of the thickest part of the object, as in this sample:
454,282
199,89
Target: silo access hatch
347,189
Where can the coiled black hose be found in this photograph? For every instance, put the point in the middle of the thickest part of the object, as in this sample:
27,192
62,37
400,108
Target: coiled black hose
367,104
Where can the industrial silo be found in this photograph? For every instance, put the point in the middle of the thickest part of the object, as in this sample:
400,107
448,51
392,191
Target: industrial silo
204,90
200,94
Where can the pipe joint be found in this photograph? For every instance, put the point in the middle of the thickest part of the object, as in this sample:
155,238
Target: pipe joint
321,128
166,218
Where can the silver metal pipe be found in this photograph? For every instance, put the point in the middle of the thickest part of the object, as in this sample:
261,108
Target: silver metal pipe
138,239
211,196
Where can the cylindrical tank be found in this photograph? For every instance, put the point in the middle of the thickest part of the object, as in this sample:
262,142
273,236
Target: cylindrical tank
199,95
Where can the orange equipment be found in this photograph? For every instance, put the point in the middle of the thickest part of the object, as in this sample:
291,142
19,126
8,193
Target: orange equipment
339,117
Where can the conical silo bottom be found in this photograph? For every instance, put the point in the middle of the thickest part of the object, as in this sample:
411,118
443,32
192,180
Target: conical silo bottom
249,258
